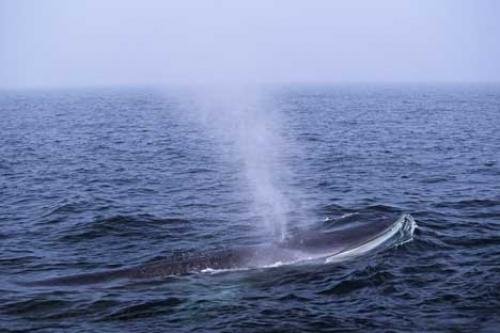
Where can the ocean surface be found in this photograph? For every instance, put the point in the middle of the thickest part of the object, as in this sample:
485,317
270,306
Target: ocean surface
97,179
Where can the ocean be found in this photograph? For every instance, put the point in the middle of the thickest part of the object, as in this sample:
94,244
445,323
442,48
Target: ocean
108,178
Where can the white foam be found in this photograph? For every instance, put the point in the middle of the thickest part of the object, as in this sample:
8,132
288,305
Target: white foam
405,224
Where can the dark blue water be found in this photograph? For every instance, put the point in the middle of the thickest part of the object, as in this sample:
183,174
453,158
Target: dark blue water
99,179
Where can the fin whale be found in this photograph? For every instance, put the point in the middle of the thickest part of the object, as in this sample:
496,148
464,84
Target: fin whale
334,244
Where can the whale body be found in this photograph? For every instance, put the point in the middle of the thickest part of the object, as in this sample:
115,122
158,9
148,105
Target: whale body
333,245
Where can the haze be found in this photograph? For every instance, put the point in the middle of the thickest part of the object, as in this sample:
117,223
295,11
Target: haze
99,43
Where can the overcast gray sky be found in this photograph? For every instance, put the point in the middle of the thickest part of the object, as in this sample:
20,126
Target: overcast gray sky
95,43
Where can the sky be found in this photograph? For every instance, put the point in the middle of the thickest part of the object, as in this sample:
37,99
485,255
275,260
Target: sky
120,42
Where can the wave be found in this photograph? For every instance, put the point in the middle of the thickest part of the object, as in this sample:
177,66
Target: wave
124,226
476,203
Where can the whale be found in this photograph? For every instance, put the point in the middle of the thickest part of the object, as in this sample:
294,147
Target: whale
333,245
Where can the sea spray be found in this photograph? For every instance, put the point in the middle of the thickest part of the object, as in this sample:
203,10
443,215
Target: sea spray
238,116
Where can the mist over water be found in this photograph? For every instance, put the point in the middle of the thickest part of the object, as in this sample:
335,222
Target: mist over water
247,127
